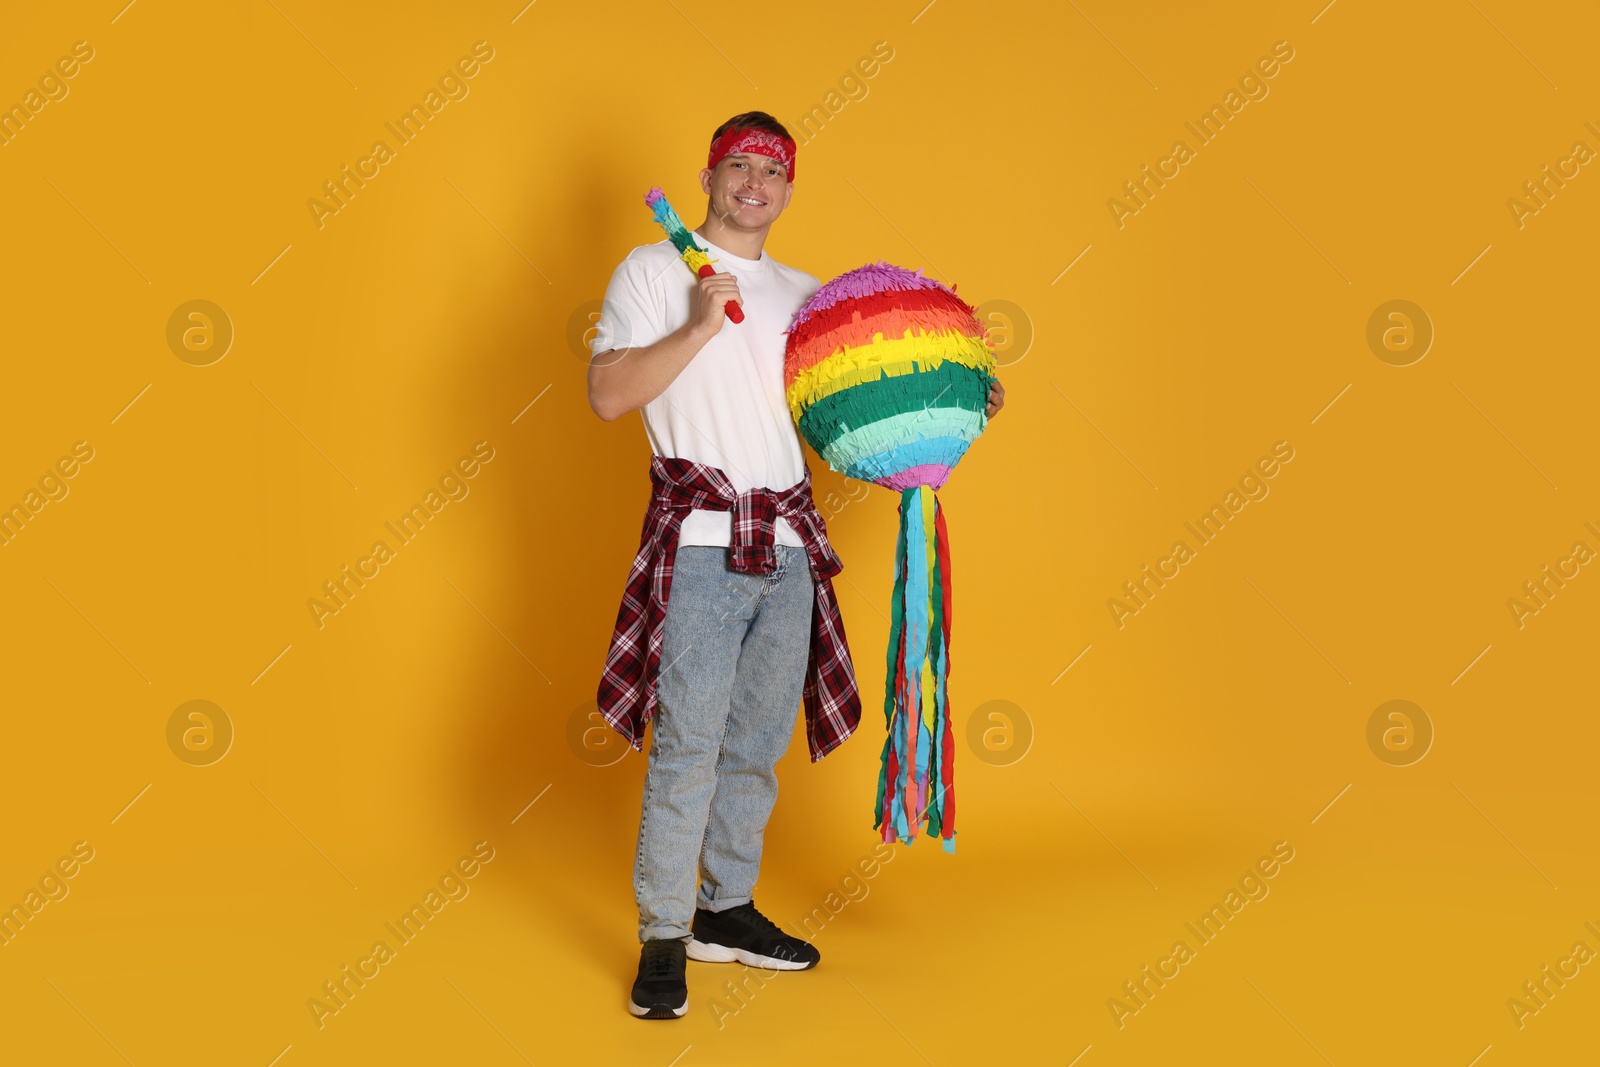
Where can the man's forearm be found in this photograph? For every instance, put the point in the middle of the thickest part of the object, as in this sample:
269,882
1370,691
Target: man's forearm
626,379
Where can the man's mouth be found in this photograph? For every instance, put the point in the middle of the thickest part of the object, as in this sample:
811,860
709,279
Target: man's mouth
751,201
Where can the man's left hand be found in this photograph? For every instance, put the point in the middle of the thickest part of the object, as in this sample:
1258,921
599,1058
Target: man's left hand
997,398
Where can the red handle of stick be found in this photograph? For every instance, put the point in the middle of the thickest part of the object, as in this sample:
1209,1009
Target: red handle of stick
735,312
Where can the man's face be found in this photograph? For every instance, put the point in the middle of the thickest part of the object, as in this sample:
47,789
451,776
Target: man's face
747,190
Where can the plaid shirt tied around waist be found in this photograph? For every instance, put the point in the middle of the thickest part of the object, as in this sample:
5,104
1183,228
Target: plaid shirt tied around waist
627,694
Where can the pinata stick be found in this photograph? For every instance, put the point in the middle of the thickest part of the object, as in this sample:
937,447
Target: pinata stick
690,252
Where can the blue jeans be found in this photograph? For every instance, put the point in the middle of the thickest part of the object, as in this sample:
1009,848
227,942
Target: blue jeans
733,661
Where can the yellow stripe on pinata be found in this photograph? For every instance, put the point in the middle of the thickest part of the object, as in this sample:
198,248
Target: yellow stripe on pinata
852,365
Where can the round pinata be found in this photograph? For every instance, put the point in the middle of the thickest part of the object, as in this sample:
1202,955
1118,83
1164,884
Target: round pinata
887,374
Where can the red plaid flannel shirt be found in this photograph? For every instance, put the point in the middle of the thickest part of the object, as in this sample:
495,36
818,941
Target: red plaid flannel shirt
627,695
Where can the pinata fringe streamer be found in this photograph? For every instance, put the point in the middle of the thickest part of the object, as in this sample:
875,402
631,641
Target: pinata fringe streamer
916,782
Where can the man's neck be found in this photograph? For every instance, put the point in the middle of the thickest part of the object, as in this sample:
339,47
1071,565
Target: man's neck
746,244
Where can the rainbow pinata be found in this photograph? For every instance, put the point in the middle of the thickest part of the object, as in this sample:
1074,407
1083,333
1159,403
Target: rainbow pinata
887,375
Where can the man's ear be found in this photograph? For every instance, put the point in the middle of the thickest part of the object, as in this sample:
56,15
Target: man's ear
705,181
788,194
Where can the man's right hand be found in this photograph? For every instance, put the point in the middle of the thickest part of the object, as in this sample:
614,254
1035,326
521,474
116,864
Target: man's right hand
624,380
712,295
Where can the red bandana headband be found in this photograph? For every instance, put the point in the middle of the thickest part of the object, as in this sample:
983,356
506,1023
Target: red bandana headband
749,139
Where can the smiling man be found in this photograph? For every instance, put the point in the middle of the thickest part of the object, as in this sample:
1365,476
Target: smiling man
729,617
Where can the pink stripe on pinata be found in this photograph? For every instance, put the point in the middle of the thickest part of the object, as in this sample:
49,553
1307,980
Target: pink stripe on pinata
932,475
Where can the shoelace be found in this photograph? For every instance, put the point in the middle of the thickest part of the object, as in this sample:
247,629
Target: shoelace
760,923
659,963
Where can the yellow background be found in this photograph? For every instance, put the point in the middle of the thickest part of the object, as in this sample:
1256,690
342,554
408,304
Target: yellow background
427,315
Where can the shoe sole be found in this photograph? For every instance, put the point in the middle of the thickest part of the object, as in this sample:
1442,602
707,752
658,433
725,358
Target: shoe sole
658,1011
700,950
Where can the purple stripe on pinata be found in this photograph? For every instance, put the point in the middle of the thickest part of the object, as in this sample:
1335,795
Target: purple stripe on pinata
874,279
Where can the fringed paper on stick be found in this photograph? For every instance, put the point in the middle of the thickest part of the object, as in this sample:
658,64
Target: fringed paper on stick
887,375
689,250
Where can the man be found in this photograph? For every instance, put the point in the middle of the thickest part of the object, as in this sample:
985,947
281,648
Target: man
729,615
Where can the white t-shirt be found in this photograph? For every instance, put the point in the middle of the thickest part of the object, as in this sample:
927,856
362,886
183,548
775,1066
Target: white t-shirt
726,408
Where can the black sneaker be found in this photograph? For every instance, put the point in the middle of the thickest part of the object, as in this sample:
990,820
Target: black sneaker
660,991
742,933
